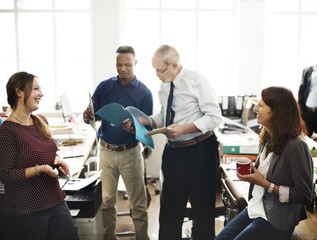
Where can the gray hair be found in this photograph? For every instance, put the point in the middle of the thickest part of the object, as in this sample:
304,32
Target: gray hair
168,54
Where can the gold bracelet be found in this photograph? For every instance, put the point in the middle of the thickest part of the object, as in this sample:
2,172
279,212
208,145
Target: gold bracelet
37,173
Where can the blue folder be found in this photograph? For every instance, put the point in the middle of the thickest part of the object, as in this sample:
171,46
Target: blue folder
115,113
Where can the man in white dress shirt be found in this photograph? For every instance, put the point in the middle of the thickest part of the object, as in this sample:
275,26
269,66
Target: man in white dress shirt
307,99
190,159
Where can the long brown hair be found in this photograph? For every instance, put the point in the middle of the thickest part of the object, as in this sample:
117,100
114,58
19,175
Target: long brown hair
286,121
24,82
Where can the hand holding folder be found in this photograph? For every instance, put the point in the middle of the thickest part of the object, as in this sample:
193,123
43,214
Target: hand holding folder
116,114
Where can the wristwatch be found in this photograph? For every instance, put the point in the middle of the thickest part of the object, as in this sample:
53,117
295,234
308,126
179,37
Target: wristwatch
270,189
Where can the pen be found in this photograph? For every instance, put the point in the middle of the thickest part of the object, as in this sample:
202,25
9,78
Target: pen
73,156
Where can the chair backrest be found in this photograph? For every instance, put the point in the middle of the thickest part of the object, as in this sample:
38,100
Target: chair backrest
235,199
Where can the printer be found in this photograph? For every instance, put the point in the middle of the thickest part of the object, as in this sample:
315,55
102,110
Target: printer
89,220
87,200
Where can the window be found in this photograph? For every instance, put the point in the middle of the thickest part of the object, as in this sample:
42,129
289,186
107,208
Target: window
240,46
48,38
203,31
290,41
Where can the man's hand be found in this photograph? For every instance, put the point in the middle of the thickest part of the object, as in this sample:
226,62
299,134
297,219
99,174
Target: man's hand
144,122
178,130
175,131
128,126
87,115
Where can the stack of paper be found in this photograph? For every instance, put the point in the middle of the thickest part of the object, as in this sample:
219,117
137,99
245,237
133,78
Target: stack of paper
69,138
62,129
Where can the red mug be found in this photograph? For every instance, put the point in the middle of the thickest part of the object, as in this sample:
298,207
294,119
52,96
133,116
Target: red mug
244,166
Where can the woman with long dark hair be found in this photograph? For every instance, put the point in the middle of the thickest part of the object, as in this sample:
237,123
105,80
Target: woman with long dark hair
281,181
34,201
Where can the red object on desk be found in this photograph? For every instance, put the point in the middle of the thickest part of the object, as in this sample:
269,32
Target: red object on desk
229,158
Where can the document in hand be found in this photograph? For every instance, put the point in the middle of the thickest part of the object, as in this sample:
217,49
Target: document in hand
158,130
91,106
115,113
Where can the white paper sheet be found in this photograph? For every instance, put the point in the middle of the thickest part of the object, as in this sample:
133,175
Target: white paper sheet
79,183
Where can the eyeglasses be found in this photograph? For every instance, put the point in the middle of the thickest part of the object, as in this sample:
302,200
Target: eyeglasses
160,72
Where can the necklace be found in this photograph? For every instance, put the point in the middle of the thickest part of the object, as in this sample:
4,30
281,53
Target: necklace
17,119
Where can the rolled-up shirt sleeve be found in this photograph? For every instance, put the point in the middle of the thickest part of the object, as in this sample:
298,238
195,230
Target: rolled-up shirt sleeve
209,106
284,194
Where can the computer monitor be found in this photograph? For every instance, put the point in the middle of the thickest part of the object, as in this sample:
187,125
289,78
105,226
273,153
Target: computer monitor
66,107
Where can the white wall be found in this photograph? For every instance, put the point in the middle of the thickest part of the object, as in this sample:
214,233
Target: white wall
105,24
251,45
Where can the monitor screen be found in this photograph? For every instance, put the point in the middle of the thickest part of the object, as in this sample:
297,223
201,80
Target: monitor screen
66,108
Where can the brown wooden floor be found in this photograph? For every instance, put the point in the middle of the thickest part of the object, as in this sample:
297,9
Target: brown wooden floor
124,223
306,230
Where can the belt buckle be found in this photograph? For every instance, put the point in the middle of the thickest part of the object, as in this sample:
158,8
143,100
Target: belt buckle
118,148
111,146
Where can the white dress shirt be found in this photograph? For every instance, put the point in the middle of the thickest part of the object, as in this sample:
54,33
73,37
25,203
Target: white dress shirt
255,205
194,101
312,94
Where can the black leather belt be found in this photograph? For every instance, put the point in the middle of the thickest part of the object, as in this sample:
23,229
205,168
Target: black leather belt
117,148
312,109
190,142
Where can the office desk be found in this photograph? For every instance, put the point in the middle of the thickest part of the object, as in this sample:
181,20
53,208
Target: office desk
85,202
79,152
242,140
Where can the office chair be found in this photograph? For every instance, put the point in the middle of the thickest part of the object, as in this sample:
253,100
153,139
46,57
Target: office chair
234,202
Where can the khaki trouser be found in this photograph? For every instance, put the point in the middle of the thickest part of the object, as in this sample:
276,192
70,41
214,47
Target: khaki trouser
129,164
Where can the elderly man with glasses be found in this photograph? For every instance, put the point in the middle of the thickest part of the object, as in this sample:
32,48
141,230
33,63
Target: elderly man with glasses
190,161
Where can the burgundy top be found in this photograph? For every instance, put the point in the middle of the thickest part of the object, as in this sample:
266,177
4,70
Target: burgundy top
22,147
